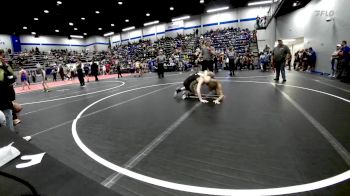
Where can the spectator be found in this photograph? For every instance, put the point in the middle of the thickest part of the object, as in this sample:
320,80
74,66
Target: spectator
54,73
334,61
296,60
94,70
264,61
86,71
345,53
258,22
312,60
61,72
305,59
2,119
7,78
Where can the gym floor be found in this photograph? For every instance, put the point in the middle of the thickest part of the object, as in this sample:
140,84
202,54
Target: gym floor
264,134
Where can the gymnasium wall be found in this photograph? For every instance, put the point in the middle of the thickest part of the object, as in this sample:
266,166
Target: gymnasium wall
323,36
191,25
101,43
96,43
89,43
45,43
267,36
5,42
174,28
149,32
135,35
115,39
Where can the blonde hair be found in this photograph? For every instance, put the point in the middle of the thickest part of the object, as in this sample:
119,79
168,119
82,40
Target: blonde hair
213,84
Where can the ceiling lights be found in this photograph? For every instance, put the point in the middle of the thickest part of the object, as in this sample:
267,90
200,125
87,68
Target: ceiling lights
70,24
85,33
82,18
260,3
112,25
100,29
57,31
180,18
108,34
218,9
297,3
151,23
75,29
46,11
148,14
201,1
77,36
126,20
120,3
33,33
171,8
129,28
36,18
97,12
25,28
59,2
289,40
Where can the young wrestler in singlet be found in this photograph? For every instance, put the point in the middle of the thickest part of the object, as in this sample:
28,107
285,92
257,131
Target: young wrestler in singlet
193,85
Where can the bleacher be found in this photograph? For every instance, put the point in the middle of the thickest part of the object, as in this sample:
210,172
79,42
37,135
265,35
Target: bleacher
180,48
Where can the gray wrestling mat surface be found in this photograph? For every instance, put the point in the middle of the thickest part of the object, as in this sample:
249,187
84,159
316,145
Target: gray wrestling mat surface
264,135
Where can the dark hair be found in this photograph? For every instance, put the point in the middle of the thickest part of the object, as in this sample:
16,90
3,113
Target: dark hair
2,51
345,42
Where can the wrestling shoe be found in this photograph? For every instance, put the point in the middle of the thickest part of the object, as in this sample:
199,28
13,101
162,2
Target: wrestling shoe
178,89
27,138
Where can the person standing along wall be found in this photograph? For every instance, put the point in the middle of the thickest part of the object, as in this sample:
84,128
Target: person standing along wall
312,59
345,52
335,61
